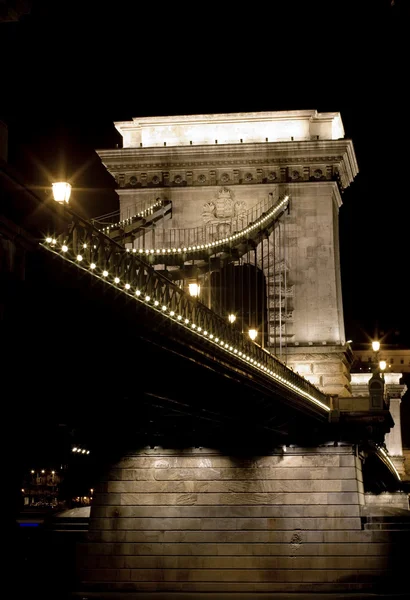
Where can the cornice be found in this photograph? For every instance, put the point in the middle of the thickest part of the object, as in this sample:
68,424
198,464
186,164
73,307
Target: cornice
339,153
272,150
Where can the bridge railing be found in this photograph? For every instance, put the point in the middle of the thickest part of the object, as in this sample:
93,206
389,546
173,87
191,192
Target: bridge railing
154,237
212,229
90,249
128,214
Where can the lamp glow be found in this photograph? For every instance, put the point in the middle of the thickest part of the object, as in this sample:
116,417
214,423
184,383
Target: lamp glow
253,334
61,191
382,365
194,289
232,318
376,346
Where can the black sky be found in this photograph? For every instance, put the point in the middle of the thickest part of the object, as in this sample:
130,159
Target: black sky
70,69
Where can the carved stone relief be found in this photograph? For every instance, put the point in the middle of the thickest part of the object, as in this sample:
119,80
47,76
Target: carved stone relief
223,210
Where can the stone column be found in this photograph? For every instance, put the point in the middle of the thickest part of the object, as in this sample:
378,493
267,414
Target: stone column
393,439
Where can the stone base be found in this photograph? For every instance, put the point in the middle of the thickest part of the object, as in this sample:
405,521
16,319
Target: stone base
168,523
327,367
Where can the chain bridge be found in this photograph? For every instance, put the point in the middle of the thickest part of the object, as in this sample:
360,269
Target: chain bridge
206,363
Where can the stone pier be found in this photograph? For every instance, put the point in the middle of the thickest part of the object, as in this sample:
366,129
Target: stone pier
201,521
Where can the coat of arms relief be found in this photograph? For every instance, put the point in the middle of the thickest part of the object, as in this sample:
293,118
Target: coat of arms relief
224,214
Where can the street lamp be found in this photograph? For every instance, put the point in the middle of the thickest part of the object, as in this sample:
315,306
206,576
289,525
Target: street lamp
194,289
375,346
232,318
253,333
61,192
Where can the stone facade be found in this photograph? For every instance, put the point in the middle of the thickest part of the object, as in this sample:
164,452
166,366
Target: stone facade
216,166
202,521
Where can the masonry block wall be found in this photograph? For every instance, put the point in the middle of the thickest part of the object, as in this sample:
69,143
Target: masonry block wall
203,521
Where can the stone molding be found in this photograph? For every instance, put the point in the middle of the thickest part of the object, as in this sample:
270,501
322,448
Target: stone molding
335,158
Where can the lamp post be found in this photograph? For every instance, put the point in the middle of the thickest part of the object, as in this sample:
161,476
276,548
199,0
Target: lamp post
380,364
376,382
61,194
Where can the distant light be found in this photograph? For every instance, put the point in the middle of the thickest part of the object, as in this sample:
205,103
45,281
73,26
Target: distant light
79,257
32,472
64,248
376,346
253,334
105,273
22,489
49,240
382,365
74,449
232,318
61,191
117,280
53,472
42,470
92,266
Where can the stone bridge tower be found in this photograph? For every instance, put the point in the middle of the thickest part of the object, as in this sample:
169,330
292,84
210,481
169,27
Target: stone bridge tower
212,165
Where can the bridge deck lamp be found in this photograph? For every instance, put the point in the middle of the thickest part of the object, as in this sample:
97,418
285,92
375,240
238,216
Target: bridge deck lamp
253,333
61,192
194,289
232,318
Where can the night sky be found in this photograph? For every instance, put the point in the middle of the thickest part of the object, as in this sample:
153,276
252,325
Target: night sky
72,68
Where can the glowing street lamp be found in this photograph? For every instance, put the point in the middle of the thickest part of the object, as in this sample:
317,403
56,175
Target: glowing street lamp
232,318
61,192
375,346
194,289
253,333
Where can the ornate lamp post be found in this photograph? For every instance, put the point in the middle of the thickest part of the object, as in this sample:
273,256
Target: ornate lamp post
376,382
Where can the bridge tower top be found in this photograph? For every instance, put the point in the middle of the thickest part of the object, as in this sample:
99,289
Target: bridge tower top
253,127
